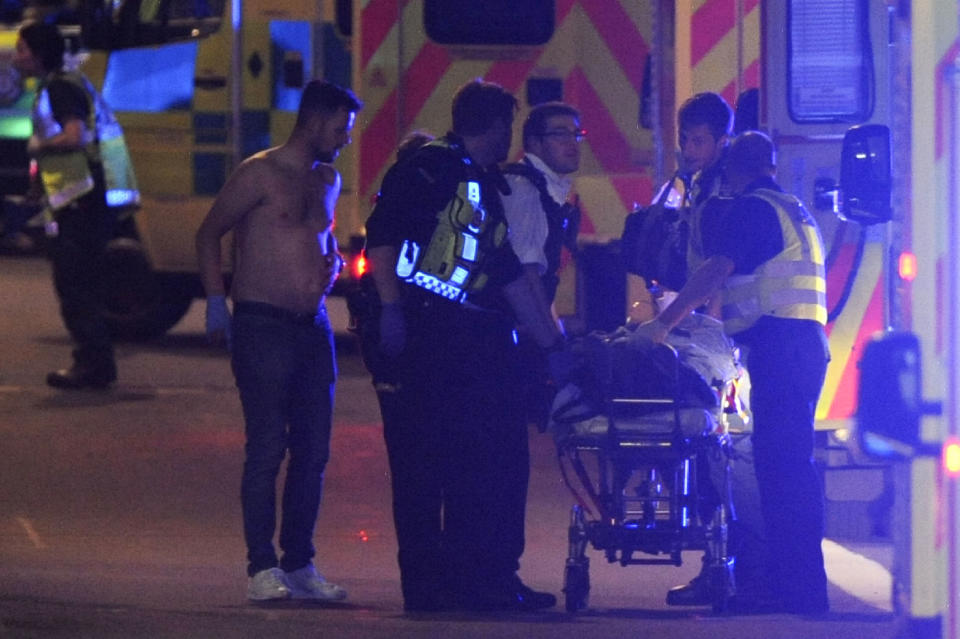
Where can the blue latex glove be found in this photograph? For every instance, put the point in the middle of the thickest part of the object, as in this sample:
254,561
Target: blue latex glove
218,320
393,330
562,364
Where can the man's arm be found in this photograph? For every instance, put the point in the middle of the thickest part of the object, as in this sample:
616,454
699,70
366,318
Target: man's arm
705,282
329,185
241,193
393,328
72,137
640,303
532,311
527,222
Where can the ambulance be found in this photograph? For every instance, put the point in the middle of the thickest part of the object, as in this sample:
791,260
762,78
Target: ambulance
861,99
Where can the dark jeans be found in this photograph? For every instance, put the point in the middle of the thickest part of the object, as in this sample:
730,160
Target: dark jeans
458,454
285,371
787,360
77,255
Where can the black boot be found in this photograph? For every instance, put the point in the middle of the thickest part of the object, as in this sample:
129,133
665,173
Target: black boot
695,593
83,376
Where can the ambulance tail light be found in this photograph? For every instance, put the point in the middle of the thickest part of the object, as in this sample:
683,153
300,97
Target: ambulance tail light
907,266
951,458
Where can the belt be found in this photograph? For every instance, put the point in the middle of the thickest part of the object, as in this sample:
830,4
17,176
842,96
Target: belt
269,310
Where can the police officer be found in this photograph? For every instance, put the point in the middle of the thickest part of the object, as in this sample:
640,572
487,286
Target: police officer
65,145
768,260
450,286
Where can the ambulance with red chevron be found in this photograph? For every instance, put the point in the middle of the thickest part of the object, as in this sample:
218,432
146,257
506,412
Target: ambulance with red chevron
862,100
626,66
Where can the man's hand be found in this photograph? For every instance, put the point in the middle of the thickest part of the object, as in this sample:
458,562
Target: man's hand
218,320
393,330
333,266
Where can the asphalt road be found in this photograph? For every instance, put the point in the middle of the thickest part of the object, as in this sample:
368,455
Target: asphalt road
119,512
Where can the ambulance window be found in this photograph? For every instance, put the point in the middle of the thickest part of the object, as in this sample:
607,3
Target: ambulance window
151,79
291,44
830,61
489,22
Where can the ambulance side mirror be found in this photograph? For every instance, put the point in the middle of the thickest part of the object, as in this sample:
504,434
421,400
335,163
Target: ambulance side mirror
865,174
890,397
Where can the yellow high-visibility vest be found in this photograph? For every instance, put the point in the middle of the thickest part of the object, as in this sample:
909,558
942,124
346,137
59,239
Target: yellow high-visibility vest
66,174
792,284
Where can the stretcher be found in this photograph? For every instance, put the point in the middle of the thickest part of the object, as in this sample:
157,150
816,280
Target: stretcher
644,449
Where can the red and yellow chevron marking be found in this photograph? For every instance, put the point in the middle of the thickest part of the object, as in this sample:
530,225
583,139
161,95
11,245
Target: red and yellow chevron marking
718,47
598,51
861,318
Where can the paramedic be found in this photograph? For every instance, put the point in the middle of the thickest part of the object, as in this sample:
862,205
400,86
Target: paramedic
457,450
768,261
280,204
705,122
68,156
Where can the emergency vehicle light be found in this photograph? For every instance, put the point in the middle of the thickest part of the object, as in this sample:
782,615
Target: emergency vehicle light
951,458
907,266
359,266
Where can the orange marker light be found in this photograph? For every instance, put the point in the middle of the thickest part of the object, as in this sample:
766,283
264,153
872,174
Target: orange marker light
951,458
907,266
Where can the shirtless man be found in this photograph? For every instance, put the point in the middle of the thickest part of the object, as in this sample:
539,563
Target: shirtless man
280,204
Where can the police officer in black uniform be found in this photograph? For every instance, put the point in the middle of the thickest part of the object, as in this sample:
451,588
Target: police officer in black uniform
451,291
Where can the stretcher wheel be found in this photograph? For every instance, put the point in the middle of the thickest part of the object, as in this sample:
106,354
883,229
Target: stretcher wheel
576,584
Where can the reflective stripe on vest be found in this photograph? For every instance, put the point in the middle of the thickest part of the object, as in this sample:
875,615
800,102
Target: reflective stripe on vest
792,284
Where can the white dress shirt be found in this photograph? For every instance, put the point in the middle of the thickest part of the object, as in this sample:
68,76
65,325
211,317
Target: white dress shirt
525,215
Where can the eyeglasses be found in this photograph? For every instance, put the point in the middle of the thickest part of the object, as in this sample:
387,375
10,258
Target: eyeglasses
565,135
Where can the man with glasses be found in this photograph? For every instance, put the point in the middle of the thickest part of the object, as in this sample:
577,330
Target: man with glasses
541,223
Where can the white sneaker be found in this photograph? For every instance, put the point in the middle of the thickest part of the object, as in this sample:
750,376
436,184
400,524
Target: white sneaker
307,583
266,585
